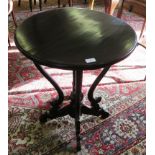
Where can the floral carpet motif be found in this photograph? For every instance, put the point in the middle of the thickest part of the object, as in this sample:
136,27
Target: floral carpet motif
116,134
123,131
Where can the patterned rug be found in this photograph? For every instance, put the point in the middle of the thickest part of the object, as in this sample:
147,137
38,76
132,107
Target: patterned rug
123,96
123,131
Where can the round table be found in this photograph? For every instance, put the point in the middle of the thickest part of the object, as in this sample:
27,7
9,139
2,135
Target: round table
75,39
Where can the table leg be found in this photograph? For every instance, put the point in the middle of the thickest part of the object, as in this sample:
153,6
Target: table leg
94,85
73,91
107,4
75,108
40,4
70,2
110,6
77,85
58,3
19,1
30,5
56,103
120,9
14,19
94,101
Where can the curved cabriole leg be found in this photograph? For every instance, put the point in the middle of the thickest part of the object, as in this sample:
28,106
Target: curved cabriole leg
56,103
60,99
94,85
95,101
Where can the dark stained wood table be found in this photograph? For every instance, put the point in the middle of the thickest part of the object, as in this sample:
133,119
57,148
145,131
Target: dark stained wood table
75,39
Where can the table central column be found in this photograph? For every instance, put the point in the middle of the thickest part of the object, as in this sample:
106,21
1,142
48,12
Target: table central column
77,85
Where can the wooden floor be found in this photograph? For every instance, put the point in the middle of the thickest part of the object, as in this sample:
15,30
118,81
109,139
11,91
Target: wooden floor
139,8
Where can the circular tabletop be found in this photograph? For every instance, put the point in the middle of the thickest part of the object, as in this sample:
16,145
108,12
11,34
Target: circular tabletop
74,38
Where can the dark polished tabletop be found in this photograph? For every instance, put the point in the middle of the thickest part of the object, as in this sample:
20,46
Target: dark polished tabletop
73,38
